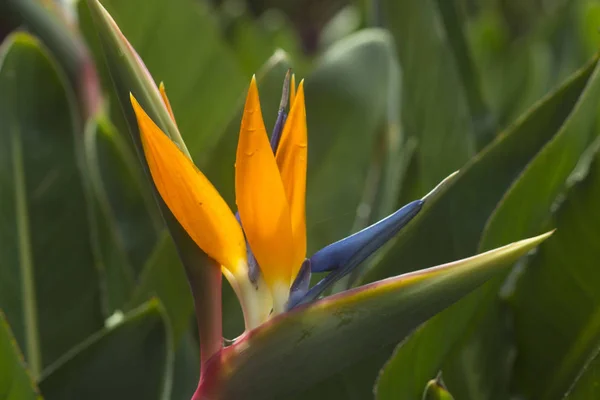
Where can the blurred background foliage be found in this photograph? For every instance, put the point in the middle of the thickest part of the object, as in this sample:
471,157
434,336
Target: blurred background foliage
400,93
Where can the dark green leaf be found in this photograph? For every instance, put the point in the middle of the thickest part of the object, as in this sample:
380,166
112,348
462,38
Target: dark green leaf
15,381
347,99
450,226
48,279
523,211
186,369
560,288
434,104
126,220
130,74
181,45
130,360
164,277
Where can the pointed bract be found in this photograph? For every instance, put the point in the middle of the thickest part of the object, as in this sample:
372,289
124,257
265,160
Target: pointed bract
190,196
343,256
163,94
262,202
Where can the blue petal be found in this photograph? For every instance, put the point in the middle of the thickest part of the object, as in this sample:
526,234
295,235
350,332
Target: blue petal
350,251
343,256
300,285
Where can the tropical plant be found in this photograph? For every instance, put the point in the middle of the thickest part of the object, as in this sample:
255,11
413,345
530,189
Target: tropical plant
122,208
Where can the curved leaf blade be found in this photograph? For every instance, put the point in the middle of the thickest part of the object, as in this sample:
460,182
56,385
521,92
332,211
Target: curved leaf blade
15,381
43,216
133,359
454,221
559,288
315,341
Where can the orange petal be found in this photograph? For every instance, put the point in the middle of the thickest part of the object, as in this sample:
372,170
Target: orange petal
190,196
261,200
163,94
291,159
292,90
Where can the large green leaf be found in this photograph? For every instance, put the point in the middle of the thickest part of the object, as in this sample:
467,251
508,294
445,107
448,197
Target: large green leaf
130,74
317,340
47,279
455,21
523,210
587,385
164,277
123,229
451,225
180,43
130,360
347,109
186,370
560,288
434,104
15,381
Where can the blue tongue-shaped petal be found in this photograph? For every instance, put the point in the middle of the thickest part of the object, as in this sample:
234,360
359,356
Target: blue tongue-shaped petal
343,256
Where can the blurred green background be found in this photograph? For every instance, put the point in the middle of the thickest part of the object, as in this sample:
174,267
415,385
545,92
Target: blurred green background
400,93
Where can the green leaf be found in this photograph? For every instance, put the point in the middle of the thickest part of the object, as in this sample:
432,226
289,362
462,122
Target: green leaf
524,210
587,385
450,226
48,278
313,342
180,44
164,278
130,74
347,98
122,228
15,381
559,288
454,22
434,103
132,359
186,370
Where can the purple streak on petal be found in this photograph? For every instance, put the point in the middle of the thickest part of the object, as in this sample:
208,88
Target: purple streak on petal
253,267
281,114
300,285
343,256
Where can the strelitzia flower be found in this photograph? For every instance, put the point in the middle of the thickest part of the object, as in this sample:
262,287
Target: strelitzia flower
262,250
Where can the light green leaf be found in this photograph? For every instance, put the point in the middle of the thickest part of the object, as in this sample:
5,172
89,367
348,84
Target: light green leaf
318,340
47,279
450,226
130,360
587,385
15,381
434,104
559,287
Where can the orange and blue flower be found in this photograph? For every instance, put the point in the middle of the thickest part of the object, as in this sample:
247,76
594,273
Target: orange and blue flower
261,249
